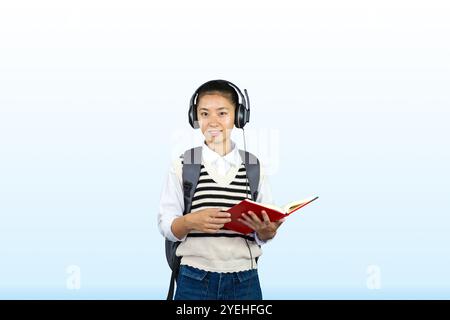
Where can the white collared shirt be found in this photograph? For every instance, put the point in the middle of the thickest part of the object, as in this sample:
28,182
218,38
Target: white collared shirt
172,205
222,163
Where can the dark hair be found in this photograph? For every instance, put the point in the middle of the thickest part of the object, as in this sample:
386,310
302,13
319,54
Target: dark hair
218,87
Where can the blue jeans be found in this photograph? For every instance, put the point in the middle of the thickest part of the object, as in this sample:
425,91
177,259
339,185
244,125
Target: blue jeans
196,284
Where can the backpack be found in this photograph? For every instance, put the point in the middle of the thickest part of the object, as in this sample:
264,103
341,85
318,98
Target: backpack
191,173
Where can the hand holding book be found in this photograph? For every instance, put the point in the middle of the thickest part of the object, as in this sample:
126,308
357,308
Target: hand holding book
265,228
274,213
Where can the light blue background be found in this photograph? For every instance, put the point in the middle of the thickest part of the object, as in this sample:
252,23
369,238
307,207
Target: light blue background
350,102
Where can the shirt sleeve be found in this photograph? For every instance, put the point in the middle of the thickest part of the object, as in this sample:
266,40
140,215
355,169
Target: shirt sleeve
171,205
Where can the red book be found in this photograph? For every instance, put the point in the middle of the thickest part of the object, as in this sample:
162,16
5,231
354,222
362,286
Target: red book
275,213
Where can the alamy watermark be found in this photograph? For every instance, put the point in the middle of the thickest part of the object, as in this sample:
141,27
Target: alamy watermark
264,143
373,281
73,281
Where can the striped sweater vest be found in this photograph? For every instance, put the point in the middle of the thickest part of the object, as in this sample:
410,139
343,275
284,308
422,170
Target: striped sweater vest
226,250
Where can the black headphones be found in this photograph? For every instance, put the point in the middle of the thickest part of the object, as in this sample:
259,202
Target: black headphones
242,112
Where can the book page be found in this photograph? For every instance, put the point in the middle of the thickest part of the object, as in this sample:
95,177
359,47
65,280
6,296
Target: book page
288,208
292,206
272,206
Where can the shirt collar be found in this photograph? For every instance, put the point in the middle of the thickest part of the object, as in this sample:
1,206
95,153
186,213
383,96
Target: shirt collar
233,157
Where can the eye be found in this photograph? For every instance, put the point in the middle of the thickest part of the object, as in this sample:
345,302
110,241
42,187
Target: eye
203,114
223,113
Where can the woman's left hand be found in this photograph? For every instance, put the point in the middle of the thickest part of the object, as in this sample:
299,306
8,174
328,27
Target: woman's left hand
265,229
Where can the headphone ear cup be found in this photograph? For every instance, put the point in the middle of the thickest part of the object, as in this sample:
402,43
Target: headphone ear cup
192,113
239,116
191,116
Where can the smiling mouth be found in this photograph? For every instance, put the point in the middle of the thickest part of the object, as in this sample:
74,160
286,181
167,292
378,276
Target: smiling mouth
215,132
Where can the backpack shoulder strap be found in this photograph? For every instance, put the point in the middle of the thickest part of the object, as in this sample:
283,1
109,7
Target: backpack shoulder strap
192,161
252,168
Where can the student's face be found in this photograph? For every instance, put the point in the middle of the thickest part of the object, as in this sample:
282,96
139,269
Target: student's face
215,114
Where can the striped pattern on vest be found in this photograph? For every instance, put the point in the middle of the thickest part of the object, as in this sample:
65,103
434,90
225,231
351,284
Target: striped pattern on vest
225,250
209,194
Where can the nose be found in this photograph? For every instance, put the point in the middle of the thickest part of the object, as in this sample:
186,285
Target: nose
213,121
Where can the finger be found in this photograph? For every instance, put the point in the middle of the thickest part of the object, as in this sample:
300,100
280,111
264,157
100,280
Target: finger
254,217
210,230
248,224
214,226
221,214
265,218
279,222
220,220
247,218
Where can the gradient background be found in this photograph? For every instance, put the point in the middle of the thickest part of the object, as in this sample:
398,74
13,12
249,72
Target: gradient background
350,101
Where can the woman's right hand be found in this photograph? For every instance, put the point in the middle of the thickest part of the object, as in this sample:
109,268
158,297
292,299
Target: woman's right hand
208,220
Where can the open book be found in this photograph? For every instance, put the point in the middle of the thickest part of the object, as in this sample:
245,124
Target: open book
275,213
